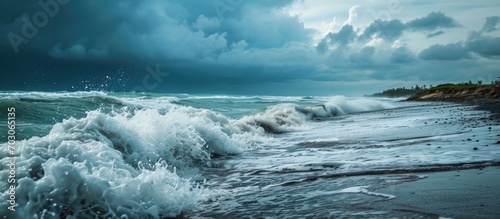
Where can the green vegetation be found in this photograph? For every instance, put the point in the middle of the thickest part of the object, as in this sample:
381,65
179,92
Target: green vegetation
456,87
461,91
400,92
461,86
448,88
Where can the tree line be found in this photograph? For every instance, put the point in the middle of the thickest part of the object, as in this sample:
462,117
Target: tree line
404,91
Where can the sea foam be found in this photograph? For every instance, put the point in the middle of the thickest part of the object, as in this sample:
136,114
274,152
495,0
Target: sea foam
287,117
108,165
141,162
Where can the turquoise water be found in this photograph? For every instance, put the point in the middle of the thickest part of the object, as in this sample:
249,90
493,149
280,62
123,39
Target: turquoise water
137,155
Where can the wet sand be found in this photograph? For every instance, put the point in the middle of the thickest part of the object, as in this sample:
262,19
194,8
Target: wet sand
492,105
488,104
473,193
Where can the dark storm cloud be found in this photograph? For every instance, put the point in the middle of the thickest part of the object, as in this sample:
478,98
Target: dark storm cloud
214,45
488,47
476,44
378,62
452,51
393,29
364,56
342,38
402,55
492,24
255,28
388,30
432,21
339,41
435,34
153,29
130,33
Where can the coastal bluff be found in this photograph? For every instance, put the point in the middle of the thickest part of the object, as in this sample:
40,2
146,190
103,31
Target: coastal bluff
451,92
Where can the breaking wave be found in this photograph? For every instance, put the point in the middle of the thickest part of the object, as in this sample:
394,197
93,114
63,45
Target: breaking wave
288,117
141,162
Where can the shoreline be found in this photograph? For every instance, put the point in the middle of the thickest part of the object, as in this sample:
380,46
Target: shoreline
485,97
471,193
492,105
466,193
487,104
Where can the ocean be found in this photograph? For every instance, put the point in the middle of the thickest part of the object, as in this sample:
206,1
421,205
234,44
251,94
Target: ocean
141,155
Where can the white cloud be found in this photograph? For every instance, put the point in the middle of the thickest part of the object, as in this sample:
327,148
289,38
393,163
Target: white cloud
353,14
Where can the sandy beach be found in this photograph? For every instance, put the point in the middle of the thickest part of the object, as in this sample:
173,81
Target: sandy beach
473,193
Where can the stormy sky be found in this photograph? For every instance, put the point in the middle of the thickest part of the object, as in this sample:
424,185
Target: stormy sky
281,47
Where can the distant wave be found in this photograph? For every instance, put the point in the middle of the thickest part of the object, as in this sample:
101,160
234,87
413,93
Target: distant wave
49,95
26,100
283,118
